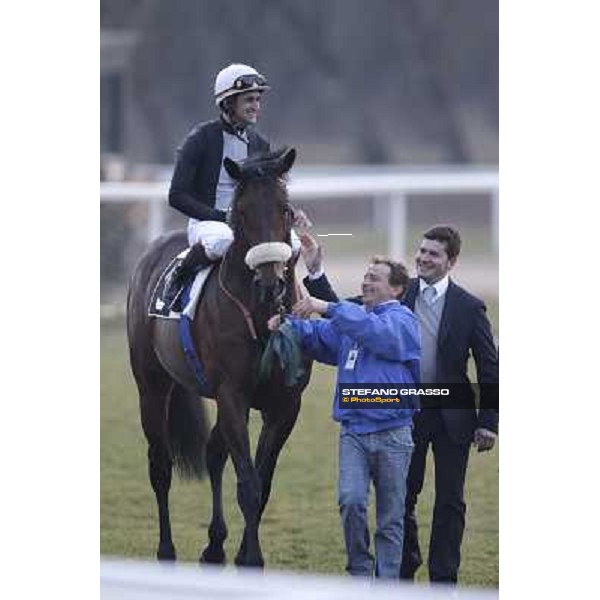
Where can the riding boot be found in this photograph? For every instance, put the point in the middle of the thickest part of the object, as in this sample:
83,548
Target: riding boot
194,261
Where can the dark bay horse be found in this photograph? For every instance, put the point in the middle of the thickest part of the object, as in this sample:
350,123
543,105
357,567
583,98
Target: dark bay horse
254,280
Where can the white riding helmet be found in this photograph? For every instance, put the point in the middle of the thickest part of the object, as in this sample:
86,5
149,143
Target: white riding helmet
236,79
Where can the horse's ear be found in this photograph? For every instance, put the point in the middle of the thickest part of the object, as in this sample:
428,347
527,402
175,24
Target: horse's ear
232,168
286,161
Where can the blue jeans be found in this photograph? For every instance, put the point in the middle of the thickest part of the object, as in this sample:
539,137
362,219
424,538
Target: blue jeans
384,458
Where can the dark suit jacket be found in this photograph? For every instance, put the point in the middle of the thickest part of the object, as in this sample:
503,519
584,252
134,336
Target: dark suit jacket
464,331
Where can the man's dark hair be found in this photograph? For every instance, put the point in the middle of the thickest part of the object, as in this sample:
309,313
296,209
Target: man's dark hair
447,235
398,273
226,105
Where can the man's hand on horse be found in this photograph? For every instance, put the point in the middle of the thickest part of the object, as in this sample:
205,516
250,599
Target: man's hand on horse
484,439
301,222
274,322
309,305
312,253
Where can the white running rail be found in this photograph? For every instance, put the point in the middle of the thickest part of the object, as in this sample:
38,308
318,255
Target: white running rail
389,186
133,580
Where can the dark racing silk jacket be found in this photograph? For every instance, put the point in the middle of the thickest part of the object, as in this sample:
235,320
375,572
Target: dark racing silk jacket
197,168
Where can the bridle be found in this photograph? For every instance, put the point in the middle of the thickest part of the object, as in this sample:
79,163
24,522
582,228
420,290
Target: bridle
280,307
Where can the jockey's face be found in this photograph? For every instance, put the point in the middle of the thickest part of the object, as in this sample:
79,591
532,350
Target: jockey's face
376,287
432,261
246,107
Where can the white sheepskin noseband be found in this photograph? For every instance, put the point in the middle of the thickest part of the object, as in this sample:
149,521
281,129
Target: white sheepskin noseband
268,252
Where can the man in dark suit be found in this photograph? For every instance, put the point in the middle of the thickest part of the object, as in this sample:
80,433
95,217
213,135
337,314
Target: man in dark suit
453,326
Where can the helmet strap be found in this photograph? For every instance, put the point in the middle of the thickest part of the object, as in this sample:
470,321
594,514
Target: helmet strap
229,127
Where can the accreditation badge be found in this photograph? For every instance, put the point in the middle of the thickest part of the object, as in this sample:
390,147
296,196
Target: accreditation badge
351,360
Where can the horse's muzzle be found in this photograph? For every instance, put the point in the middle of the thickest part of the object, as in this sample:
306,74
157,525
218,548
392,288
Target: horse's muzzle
270,281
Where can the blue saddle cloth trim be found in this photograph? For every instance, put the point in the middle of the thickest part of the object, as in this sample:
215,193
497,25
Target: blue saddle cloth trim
191,356
184,297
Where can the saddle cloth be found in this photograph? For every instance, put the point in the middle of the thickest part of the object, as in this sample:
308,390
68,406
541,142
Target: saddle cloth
189,296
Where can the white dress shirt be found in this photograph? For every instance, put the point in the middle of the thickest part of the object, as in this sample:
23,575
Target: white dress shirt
440,287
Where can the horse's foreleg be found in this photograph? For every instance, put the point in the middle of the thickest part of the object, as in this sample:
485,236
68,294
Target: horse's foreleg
275,432
216,457
232,420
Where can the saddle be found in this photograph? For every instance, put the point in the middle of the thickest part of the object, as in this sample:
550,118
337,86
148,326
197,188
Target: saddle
188,295
183,311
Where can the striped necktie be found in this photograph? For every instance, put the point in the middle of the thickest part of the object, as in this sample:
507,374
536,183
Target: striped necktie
429,294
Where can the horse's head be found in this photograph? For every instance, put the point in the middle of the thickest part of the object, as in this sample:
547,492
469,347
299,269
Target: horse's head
261,216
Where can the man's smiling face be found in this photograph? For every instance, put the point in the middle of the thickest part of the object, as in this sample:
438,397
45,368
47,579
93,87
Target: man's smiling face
432,261
376,287
246,108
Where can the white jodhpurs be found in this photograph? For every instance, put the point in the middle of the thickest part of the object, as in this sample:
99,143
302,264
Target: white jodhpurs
216,237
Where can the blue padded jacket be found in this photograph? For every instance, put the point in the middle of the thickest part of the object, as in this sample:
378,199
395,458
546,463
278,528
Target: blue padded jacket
389,350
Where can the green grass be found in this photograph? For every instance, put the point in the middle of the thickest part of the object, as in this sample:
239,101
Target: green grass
300,529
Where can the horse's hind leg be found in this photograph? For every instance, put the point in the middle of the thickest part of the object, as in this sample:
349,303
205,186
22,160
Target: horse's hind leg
160,470
216,457
160,466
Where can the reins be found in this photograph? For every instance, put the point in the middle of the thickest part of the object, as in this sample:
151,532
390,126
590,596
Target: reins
240,305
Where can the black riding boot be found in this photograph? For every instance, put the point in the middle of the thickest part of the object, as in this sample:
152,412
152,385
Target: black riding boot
194,261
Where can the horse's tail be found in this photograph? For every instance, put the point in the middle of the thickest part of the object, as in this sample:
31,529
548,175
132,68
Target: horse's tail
188,434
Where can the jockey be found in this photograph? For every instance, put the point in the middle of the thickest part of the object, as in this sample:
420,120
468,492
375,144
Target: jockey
201,188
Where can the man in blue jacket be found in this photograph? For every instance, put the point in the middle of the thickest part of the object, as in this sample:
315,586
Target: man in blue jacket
454,326
378,343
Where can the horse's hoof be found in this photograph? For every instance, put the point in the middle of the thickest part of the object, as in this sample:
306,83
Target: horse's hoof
166,553
255,562
212,556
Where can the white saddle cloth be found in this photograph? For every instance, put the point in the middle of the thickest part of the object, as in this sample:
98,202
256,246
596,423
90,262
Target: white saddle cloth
196,290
